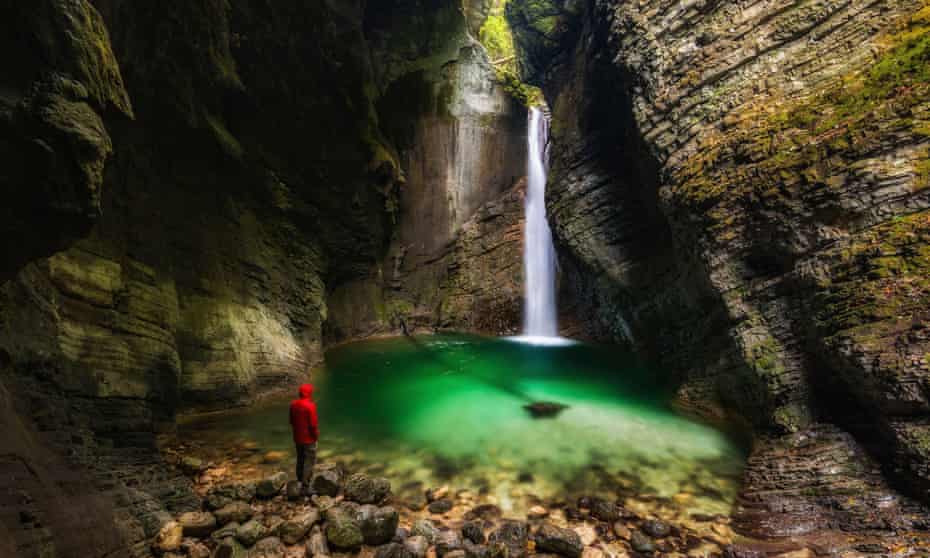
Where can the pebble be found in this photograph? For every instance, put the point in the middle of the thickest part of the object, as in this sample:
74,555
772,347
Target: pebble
656,528
440,506
587,533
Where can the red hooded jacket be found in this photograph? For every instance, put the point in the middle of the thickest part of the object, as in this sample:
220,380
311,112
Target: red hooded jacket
303,417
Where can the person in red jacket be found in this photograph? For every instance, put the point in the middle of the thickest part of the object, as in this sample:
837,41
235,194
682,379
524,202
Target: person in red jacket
305,428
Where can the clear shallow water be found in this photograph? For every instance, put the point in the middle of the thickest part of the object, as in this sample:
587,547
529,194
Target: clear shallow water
447,409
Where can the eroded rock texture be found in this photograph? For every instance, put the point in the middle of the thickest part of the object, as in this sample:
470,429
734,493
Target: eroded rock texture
741,193
187,189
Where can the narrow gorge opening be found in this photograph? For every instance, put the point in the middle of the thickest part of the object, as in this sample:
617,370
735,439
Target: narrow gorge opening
547,264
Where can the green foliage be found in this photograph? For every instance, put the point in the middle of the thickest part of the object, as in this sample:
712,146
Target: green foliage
527,94
496,36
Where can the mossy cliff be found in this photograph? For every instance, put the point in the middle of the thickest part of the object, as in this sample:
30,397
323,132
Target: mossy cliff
189,189
741,195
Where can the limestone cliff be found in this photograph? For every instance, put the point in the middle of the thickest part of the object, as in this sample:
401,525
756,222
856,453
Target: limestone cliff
740,192
189,190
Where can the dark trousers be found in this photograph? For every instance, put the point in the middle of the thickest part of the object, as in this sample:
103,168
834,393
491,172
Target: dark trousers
306,454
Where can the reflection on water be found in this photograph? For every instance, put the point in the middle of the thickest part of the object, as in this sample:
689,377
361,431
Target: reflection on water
448,409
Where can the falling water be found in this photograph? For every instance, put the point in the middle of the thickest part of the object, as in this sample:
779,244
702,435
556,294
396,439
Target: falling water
539,318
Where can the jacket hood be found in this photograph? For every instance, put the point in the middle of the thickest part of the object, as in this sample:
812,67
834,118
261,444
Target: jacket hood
306,391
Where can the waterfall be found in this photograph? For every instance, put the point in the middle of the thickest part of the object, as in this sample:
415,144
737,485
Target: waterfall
539,318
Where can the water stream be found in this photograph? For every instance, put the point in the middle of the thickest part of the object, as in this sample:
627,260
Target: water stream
539,261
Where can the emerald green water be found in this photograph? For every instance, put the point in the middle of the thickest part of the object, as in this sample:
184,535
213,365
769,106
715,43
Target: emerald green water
448,409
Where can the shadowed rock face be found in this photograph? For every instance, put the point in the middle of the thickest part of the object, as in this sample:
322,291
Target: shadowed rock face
738,193
188,188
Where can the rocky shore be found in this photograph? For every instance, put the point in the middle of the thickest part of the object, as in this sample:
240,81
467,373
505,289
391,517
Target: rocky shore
338,514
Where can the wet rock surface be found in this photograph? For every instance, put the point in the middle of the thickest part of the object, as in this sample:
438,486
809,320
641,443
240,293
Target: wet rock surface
727,202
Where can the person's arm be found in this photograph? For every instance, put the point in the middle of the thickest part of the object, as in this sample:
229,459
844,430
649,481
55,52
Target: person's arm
314,424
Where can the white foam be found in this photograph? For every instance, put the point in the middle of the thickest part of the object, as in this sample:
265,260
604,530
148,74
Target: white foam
542,340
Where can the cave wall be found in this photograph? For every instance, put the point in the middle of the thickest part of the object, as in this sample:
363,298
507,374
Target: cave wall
740,192
190,189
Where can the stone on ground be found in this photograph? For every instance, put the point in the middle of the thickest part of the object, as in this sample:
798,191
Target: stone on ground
238,512
379,525
270,486
393,550
316,544
327,479
269,547
296,528
198,524
448,542
364,489
425,529
417,545
250,532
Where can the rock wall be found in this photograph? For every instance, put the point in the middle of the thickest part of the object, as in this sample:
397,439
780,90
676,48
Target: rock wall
455,255
189,188
740,192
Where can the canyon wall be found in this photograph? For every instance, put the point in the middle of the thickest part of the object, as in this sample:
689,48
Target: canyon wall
192,191
740,192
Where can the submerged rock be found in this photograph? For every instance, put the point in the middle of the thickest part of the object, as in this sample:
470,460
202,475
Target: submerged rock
509,540
545,409
641,543
473,532
440,506
565,542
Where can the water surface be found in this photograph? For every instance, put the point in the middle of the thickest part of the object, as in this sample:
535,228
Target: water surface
448,409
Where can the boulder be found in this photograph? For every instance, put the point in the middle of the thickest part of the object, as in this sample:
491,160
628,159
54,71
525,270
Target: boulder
327,479
343,529
269,547
198,524
238,512
297,527
379,525
270,486
417,545
544,409
565,542
364,489
251,532
168,538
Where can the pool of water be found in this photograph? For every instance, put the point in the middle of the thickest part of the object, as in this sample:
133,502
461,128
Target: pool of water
448,410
